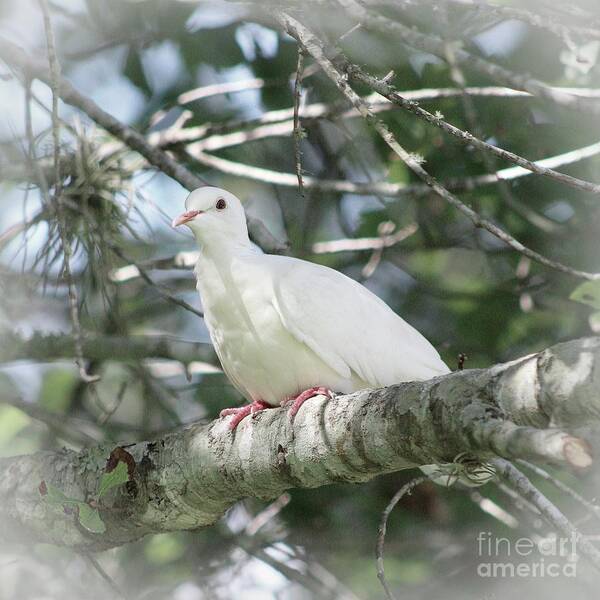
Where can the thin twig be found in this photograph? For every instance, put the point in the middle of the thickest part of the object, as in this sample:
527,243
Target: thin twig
388,91
108,413
382,188
537,220
589,506
307,577
267,514
159,288
374,261
314,47
109,580
186,260
405,489
61,220
361,244
488,506
244,130
518,500
32,160
298,133
216,89
549,511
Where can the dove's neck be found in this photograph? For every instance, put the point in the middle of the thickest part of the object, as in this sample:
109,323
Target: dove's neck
221,250
215,273
215,244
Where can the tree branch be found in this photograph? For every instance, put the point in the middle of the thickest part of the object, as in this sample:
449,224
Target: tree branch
550,512
215,135
383,188
539,20
315,47
407,488
15,56
435,45
388,91
46,347
189,478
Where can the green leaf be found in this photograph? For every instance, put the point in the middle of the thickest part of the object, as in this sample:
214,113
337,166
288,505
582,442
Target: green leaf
587,293
117,476
90,518
55,496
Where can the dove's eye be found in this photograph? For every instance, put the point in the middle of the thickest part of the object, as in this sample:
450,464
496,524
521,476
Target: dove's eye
221,204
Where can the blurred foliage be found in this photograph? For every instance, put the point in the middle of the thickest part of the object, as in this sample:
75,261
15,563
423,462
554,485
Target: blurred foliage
459,286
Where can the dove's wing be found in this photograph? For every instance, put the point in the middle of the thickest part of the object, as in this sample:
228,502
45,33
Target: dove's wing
349,327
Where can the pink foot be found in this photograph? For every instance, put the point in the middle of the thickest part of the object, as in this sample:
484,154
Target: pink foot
242,412
300,399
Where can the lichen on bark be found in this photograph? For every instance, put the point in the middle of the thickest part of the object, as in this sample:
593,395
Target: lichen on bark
530,408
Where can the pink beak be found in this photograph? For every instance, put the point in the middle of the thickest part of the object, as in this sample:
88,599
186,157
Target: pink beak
185,217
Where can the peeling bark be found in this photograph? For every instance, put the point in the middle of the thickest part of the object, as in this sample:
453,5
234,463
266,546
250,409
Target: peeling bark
528,409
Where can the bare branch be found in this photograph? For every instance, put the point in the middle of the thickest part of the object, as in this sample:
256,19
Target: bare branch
382,188
593,509
217,89
358,244
407,488
43,347
186,260
552,514
161,289
280,123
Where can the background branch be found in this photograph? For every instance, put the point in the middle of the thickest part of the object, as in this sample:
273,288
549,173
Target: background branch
315,48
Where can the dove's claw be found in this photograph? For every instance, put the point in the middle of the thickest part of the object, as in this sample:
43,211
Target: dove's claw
300,399
241,412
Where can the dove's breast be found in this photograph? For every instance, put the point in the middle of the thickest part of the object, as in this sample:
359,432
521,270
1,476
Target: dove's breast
258,354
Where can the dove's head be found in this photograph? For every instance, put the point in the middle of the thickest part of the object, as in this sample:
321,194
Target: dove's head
215,217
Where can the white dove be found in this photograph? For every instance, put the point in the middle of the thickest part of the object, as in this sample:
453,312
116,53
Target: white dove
285,329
